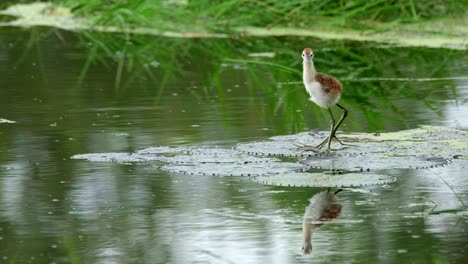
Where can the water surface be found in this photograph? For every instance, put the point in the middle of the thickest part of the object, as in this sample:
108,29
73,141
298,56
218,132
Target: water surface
68,97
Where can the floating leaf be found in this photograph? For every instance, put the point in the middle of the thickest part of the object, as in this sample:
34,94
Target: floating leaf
303,137
373,162
234,169
296,148
219,155
212,151
203,155
447,148
118,157
427,140
161,150
417,148
322,179
422,134
238,158
273,148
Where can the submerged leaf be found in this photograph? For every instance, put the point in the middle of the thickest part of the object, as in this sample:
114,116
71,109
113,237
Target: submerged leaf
323,179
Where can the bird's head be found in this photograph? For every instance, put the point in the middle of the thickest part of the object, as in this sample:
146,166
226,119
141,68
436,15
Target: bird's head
307,53
307,248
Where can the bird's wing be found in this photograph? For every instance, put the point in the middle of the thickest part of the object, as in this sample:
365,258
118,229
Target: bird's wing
331,84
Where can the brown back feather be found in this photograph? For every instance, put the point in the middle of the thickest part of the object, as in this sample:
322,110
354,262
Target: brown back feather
331,84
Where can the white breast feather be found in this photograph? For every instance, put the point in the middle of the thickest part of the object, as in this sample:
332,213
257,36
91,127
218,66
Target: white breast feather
318,96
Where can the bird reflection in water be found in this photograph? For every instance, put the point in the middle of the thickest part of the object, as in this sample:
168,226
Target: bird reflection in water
323,207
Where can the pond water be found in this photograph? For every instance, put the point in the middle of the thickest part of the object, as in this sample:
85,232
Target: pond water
71,94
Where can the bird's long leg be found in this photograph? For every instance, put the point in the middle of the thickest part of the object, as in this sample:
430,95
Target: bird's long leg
332,127
342,118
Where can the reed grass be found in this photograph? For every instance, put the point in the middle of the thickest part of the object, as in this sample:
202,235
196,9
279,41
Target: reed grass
223,15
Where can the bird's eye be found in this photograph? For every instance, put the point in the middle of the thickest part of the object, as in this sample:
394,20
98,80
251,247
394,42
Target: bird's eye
303,55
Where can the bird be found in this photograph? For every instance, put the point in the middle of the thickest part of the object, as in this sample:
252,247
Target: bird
323,206
325,91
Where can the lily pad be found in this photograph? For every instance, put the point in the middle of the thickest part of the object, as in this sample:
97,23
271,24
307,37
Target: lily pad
443,148
291,146
212,151
427,140
239,158
274,148
374,162
117,157
235,169
303,136
422,134
423,147
161,150
323,179
203,155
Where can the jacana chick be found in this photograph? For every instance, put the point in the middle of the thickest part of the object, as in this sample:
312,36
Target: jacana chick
323,90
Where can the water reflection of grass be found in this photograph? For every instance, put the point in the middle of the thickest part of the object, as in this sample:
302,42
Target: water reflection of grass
216,66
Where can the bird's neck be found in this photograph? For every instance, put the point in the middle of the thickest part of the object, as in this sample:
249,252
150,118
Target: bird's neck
308,72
